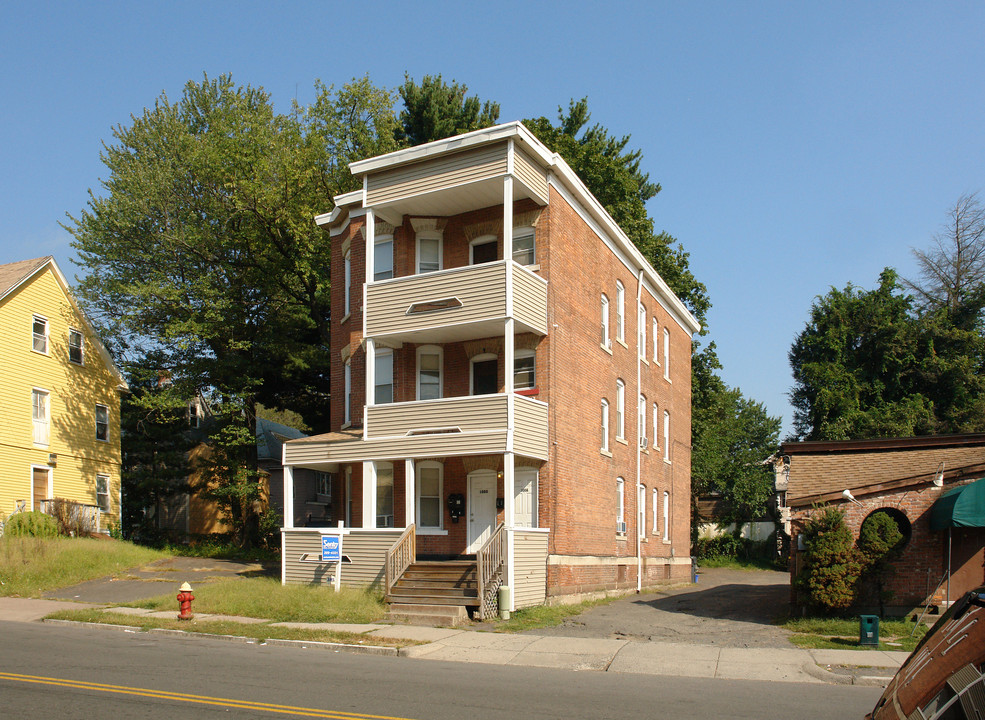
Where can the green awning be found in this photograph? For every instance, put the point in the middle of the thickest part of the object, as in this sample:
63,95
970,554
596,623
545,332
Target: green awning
961,507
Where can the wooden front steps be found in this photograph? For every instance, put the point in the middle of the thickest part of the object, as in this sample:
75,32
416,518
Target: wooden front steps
435,593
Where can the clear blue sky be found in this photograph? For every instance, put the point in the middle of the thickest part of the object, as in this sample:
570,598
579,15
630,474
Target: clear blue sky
799,145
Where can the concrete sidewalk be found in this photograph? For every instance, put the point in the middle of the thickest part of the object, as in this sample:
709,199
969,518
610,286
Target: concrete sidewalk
871,667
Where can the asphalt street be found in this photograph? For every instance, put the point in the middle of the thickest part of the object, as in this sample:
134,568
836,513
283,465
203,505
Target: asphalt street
76,672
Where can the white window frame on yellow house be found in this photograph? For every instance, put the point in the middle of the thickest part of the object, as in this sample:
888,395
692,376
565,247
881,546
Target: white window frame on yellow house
76,348
105,409
105,493
42,337
41,415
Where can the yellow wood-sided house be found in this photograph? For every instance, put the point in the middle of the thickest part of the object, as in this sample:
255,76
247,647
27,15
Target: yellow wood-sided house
59,398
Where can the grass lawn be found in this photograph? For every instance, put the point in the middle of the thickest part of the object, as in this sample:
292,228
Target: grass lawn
842,634
258,631
30,566
266,598
541,616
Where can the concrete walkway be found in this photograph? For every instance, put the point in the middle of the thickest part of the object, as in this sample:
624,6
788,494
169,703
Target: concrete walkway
572,653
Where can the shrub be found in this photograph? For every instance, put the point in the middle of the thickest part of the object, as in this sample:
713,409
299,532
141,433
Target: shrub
71,517
831,564
31,524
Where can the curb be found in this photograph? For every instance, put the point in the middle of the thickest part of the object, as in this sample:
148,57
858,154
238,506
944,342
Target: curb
302,644
816,671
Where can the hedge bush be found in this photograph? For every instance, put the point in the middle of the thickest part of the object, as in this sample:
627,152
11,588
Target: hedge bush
31,524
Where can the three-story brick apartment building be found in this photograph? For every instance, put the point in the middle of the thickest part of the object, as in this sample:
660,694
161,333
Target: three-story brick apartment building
512,382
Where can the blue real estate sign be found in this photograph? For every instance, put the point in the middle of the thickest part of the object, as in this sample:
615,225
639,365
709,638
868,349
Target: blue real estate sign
331,548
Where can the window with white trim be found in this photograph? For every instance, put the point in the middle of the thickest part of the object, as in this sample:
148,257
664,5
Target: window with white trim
102,493
641,422
656,426
39,335
666,516
323,485
656,342
383,257
348,392
606,340
347,265
428,251
429,481
525,370
641,334
384,495
102,423
620,409
620,312
641,511
655,509
40,404
620,505
429,372
483,249
194,417
605,425
667,353
76,346
484,374
666,436
523,246
383,392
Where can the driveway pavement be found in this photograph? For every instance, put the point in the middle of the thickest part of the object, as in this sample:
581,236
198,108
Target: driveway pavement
726,608
157,578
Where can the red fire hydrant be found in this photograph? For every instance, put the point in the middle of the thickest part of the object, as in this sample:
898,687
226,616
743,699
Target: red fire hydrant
185,598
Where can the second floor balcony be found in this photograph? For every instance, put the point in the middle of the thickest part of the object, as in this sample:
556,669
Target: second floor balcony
456,304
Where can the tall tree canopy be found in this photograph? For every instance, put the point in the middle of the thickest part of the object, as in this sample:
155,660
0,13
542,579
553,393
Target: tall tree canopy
433,110
201,246
868,365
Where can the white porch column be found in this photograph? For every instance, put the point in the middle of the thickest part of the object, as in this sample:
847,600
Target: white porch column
410,493
509,490
369,494
370,394
509,520
288,496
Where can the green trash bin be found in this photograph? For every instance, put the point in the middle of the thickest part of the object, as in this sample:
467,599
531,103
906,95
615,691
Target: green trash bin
868,630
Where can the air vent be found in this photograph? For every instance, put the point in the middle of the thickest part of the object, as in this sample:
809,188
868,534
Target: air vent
434,306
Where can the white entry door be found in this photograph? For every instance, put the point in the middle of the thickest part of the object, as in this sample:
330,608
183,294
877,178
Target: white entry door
525,494
482,508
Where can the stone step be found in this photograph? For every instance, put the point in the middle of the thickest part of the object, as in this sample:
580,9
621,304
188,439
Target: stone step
426,614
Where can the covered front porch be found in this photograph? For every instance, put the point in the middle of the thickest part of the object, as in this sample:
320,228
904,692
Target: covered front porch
391,513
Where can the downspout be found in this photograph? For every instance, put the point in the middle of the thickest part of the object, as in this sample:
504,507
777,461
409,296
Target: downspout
639,439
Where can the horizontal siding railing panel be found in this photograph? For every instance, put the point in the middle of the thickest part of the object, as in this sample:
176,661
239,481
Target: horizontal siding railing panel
530,436
530,299
471,413
438,174
481,290
398,447
530,174
530,567
366,548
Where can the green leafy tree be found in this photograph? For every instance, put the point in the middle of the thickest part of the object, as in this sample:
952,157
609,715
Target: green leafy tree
831,565
155,443
434,109
202,248
869,365
880,542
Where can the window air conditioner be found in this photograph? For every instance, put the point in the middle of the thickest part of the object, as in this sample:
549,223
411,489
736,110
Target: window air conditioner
621,527
643,442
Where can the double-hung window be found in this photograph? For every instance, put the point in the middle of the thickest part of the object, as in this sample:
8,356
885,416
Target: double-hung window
620,505
641,511
524,370
102,423
666,516
655,508
39,335
347,264
667,353
641,424
384,377
428,251
76,346
606,340
428,372
102,493
620,409
666,436
384,495
347,417
641,335
605,425
40,414
656,426
523,246
429,495
620,312
656,342
383,257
